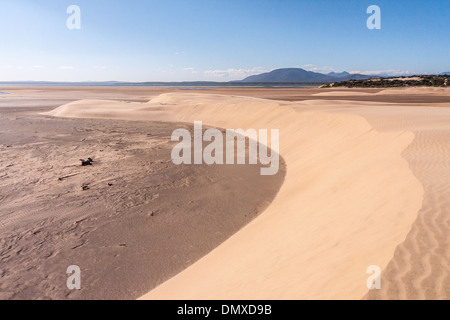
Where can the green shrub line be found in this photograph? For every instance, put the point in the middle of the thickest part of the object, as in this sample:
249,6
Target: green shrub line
412,81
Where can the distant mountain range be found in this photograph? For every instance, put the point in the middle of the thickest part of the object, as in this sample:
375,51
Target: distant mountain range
339,75
289,76
118,84
298,75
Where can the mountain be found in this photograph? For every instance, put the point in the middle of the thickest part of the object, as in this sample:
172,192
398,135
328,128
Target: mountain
289,75
297,75
345,76
445,73
339,75
356,76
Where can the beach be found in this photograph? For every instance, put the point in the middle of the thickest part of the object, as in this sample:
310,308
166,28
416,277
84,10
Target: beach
364,182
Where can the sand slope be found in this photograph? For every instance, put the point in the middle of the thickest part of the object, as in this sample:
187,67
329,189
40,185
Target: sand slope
420,268
348,200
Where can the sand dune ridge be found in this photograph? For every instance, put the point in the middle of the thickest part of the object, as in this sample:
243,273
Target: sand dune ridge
348,200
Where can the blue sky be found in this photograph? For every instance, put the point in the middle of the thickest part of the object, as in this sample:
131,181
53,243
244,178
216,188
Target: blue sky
220,40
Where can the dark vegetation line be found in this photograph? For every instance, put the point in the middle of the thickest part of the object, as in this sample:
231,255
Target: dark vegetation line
395,82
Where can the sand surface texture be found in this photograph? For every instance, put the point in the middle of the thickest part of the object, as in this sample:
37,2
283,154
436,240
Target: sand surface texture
130,221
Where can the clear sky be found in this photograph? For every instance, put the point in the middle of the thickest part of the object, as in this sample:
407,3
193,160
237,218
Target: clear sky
220,40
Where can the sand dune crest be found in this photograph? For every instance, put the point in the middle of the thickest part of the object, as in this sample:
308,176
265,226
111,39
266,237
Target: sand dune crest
348,200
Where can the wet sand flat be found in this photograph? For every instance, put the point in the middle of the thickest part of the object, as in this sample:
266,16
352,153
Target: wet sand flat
130,221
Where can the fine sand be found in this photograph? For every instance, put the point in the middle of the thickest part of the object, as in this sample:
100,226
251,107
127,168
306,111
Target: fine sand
367,183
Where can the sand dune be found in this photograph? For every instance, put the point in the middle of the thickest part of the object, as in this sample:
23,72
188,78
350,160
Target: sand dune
348,200
415,90
420,268
341,93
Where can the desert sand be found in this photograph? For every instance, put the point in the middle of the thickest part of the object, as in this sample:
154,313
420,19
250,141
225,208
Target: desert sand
367,183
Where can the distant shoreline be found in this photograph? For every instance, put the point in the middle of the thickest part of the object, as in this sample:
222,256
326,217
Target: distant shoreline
374,82
187,85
